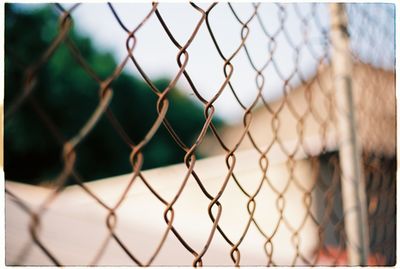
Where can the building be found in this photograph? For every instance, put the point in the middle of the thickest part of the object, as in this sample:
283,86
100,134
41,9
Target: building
302,126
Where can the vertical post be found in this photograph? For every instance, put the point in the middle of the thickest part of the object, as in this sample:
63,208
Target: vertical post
352,180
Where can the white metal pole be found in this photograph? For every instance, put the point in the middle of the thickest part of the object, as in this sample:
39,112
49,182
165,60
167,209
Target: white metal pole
352,179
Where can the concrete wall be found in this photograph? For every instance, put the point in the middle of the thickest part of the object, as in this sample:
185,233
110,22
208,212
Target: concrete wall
74,226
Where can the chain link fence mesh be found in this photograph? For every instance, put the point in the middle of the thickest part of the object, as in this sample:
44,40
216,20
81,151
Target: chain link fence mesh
297,125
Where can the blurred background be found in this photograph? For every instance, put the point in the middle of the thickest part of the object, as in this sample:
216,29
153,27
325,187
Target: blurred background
281,62
67,96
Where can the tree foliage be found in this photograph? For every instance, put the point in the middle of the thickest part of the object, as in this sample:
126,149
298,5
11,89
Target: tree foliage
68,96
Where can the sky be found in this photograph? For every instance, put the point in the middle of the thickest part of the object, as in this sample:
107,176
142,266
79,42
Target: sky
303,24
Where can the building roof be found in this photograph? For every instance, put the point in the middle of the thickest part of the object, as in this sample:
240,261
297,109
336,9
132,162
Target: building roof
305,116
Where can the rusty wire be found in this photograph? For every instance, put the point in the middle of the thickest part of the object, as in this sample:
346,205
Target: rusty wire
380,186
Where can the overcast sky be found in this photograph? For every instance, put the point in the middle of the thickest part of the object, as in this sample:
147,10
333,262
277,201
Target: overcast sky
157,54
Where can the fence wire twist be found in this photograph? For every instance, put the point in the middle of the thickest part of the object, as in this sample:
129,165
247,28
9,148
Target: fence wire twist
379,164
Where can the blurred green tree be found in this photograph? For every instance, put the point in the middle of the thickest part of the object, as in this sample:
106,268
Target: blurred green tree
68,95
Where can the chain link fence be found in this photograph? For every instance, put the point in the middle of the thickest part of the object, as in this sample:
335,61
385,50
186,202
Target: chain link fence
286,130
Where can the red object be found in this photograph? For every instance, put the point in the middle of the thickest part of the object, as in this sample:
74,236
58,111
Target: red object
336,256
